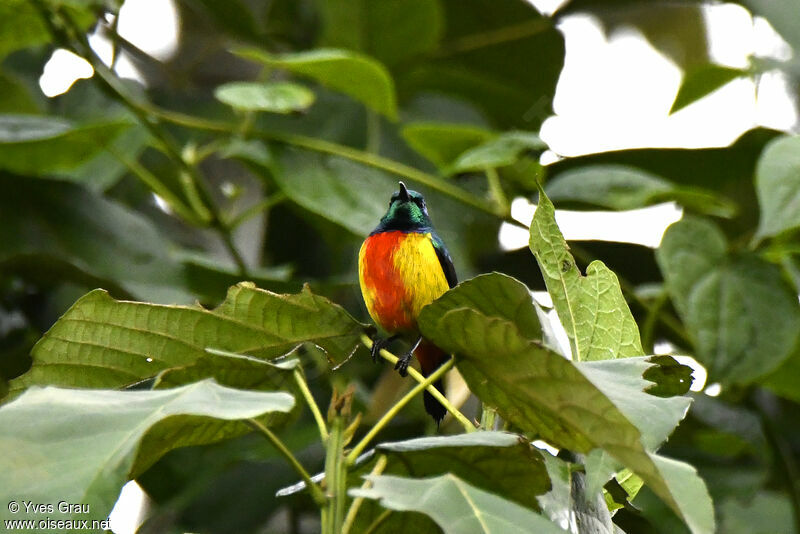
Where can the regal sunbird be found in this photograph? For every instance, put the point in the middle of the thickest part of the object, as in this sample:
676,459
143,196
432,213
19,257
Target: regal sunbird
403,265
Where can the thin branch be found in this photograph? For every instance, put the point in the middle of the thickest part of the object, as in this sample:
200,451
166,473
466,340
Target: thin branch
495,36
391,358
389,415
316,492
380,465
378,522
107,80
264,205
155,185
312,404
328,147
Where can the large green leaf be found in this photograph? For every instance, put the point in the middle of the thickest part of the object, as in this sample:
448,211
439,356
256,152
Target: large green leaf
442,143
275,97
56,231
592,309
702,81
16,96
500,462
743,318
351,195
456,506
32,144
22,26
79,446
778,187
101,342
621,187
358,76
574,406
480,57
504,149
392,32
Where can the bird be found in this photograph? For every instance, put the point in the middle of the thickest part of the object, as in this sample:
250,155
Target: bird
403,265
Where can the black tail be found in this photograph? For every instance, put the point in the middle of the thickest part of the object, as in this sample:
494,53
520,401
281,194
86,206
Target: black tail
433,406
430,358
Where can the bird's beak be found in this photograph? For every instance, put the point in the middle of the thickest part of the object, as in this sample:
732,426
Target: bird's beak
403,192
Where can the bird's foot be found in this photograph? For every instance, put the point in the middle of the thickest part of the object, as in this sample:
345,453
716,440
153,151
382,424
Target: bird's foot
402,363
377,344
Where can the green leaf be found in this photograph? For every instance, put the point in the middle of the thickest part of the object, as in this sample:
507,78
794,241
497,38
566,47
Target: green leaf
16,97
32,144
442,143
778,187
505,149
20,26
105,169
233,17
59,231
506,62
742,317
457,507
351,195
392,32
500,462
624,382
767,511
79,446
100,342
360,77
592,309
499,295
702,81
574,406
621,187
275,97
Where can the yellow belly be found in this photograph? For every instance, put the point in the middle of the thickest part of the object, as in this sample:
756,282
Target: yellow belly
399,274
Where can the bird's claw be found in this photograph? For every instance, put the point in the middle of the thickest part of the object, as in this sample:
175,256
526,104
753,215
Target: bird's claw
378,344
402,364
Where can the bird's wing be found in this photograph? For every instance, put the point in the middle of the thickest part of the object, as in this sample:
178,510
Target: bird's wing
445,260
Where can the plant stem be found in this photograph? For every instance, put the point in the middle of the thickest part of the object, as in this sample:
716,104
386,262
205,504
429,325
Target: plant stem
316,493
335,478
156,186
109,83
496,190
312,404
378,522
373,132
380,465
494,37
328,147
389,415
488,417
391,358
267,203
649,326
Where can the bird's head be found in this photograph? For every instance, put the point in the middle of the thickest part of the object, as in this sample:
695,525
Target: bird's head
407,211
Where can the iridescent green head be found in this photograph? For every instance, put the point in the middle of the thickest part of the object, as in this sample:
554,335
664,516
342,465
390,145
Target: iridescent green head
407,212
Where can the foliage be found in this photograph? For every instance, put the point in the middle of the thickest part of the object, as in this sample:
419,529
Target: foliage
258,157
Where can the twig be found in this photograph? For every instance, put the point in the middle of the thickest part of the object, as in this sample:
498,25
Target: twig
391,358
380,465
389,415
312,404
316,493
